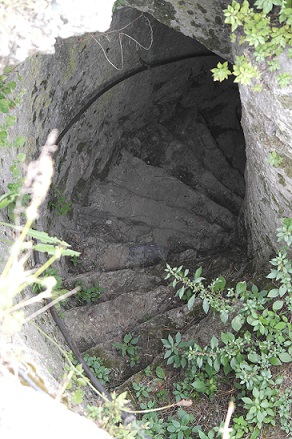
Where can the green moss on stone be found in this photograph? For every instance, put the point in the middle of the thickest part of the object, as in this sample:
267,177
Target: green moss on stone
213,42
80,147
281,180
287,166
286,101
164,11
200,7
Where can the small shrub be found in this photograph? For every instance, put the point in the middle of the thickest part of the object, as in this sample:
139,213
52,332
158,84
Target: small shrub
262,338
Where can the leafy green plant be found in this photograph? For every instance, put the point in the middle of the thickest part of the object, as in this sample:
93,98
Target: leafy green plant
7,103
98,368
160,373
37,288
129,348
14,189
265,34
59,203
262,338
180,428
141,391
75,260
88,294
108,415
173,348
274,159
156,427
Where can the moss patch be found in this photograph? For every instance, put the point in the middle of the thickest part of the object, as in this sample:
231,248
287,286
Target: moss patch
164,11
281,180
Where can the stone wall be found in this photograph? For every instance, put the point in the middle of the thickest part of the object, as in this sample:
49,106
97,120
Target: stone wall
59,86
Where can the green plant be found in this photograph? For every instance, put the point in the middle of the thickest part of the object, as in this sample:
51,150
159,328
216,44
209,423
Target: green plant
266,31
118,3
98,368
108,416
274,159
129,348
7,103
58,202
141,391
37,287
14,193
262,338
75,260
180,428
88,294
173,348
156,427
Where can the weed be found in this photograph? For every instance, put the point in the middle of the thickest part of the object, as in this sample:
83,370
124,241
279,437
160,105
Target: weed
173,348
262,338
75,260
89,294
274,159
59,203
98,368
37,288
180,428
129,348
264,38
141,391
7,103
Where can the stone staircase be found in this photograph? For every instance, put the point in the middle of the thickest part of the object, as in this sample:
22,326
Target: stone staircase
170,195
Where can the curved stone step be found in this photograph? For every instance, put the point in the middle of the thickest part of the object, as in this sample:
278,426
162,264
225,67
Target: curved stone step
92,324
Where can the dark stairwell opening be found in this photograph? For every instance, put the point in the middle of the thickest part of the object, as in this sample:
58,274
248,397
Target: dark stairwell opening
153,162
155,165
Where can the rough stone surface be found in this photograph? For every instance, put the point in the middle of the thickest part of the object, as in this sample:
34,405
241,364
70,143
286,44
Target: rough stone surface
93,324
267,126
163,147
200,20
39,414
32,26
